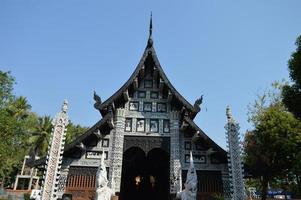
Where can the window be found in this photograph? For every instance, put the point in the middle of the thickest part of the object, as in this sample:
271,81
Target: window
134,105
147,106
154,95
105,143
128,125
154,126
140,125
161,107
166,126
141,94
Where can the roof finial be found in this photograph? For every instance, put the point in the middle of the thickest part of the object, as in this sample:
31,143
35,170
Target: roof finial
229,113
65,106
151,25
150,40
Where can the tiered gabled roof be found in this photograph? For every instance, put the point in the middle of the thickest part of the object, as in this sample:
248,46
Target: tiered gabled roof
188,111
106,108
149,56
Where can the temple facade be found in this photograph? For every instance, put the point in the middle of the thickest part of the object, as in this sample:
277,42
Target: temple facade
146,133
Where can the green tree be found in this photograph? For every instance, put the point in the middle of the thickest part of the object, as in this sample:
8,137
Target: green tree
22,130
14,132
6,87
292,93
292,100
19,108
42,131
270,149
41,135
73,131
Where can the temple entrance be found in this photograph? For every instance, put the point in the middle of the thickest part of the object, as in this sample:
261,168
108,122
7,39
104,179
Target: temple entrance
145,176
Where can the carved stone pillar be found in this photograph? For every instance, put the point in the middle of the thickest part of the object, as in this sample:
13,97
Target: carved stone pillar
116,149
175,160
226,185
54,155
62,180
234,158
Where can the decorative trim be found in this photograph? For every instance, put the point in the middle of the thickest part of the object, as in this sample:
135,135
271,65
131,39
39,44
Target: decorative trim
154,95
96,155
147,106
141,94
166,126
147,143
154,125
128,124
234,158
197,159
140,125
161,107
105,143
134,106
55,155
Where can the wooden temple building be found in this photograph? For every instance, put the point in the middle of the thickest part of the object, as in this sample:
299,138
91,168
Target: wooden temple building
146,133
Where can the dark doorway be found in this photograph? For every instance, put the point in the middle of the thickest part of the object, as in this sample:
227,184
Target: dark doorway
158,171
145,176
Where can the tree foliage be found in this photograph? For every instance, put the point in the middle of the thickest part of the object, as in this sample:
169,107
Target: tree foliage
6,87
292,93
73,131
292,99
271,147
41,136
22,131
14,121
42,132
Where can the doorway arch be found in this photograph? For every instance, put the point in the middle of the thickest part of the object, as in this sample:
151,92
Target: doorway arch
158,171
132,168
145,176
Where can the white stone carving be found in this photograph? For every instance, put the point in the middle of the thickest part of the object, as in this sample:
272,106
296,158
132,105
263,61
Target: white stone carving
178,181
234,158
190,191
103,192
54,156
35,194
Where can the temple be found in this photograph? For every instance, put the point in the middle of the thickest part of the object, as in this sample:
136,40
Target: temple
146,133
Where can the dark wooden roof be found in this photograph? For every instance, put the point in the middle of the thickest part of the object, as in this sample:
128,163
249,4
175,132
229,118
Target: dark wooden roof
90,131
203,137
191,110
79,139
149,51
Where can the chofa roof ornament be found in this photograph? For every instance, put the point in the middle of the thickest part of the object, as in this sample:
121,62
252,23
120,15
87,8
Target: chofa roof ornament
150,38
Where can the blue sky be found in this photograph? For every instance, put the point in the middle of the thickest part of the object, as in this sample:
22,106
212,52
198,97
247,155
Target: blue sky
230,51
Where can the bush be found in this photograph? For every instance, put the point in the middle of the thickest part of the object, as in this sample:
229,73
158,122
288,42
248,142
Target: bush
26,196
218,197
